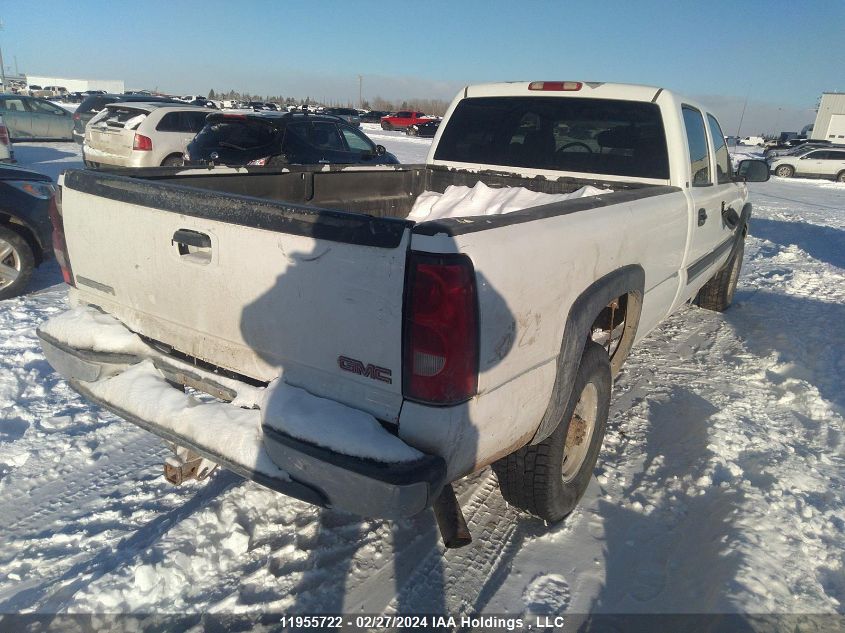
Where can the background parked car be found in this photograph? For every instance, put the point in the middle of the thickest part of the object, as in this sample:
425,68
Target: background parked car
7,154
349,115
795,145
25,229
403,119
203,103
817,163
35,119
276,139
373,116
141,134
94,104
425,130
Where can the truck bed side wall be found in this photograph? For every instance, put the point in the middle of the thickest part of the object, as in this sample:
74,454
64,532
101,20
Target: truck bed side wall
549,263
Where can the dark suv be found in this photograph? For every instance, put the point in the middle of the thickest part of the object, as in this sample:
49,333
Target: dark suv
279,139
96,102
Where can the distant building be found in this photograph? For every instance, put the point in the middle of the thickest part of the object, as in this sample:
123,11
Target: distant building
77,85
830,119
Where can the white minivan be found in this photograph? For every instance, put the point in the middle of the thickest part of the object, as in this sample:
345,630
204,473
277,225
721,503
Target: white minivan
141,134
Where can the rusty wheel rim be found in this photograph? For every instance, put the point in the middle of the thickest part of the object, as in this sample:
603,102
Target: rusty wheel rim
579,436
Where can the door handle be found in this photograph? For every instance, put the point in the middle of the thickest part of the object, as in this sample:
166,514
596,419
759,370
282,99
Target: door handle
702,217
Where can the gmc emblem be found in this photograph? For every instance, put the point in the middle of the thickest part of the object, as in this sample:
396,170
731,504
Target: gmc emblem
367,371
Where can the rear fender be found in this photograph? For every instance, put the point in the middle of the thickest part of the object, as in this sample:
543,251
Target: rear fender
628,280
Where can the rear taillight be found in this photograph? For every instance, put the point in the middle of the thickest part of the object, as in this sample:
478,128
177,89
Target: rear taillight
4,135
555,85
440,353
259,161
76,116
59,242
142,143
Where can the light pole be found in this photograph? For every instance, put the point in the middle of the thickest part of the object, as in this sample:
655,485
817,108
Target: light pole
2,67
360,90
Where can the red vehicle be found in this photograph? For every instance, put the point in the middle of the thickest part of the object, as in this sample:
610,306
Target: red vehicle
403,119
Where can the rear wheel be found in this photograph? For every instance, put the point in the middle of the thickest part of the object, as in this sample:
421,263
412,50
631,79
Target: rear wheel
718,293
548,479
785,171
17,261
840,177
386,126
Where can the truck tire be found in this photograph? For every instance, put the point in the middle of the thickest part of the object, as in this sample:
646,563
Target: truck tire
174,160
548,479
718,293
785,171
17,261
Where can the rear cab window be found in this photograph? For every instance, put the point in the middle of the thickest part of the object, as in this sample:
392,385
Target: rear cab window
596,136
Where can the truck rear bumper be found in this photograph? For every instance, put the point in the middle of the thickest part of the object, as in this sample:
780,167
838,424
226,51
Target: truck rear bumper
261,453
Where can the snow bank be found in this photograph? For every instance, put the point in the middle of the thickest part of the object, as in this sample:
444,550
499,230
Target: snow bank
84,327
331,425
460,201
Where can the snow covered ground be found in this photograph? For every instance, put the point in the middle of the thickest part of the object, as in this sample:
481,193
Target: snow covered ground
721,487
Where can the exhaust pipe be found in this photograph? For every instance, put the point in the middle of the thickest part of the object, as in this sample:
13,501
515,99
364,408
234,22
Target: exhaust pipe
450,519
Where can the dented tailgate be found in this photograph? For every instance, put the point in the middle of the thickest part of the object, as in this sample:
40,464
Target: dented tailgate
254,286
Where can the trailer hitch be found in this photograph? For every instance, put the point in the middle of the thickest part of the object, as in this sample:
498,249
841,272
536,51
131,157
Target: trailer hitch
185,465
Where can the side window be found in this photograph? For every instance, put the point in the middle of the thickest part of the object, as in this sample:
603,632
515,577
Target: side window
699,157
169,123
836,155
325,136
720,149
816,155
43,107
196,121
12,105
355,140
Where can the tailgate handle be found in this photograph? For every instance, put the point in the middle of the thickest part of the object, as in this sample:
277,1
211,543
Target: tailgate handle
193,245
187,237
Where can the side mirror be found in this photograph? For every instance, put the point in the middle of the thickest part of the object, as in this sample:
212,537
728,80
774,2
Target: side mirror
752,171
380,150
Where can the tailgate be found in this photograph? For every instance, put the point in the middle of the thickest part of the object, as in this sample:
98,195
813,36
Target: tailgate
253,286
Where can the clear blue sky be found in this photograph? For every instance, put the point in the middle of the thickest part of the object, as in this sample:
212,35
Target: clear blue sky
782,53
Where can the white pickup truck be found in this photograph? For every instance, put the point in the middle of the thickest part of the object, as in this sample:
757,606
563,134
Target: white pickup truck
295,326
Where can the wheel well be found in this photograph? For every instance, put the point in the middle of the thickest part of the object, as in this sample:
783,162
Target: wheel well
173,155
11,222
587,310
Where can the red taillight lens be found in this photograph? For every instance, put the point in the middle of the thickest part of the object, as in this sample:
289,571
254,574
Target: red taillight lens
555,85
4,135
259,161
441,330
59,242
76,116
142,143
